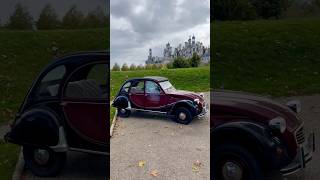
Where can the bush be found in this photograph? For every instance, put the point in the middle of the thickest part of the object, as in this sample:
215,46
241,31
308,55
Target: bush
124,67
133,67
195,60
180,62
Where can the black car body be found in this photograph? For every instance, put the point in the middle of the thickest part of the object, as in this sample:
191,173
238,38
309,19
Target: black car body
66,109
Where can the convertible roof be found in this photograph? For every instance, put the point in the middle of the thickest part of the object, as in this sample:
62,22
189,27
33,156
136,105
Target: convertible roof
156,78
153,78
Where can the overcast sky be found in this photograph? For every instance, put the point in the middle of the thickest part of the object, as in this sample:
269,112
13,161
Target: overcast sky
139,25
61,6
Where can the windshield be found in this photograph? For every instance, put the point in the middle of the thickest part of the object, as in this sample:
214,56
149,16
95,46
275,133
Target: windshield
166,86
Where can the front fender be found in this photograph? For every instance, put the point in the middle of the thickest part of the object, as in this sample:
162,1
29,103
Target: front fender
36,126
256,138
184,103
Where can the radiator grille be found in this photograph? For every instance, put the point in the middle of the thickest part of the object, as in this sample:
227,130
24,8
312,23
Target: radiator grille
300,135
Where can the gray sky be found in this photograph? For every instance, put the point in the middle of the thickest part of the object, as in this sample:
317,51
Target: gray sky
139,25
61,6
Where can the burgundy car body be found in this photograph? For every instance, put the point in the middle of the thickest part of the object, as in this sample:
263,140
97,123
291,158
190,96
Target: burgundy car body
232,110
162,102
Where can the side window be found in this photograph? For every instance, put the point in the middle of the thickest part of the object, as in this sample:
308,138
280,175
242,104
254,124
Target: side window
126,87
88,82
50,83
138,87
152,88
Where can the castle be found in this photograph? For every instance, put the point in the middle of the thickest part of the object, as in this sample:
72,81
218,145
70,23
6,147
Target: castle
186,51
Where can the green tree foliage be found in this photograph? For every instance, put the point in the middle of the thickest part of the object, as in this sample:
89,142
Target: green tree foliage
48,18
21,19
73,19
133,67
97,18
248,9
116,67
148,66
195,60
124,67
140,67
180,62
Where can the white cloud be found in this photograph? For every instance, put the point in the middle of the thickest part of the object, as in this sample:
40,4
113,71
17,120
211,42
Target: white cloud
139,25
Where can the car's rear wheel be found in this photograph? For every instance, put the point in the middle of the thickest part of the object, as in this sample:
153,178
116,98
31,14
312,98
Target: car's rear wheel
43,162
183,115
234,162
123,112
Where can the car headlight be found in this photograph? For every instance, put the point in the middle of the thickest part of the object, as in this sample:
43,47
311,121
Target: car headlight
294,105
197,101
278,123
201,95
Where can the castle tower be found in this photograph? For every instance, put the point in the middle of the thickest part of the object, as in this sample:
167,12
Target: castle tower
193,39
150,54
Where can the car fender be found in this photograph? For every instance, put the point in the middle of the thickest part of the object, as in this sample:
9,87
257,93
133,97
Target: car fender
121,101
38,126
254,136
184,103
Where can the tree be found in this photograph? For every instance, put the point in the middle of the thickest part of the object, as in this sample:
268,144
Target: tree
180,62
148,66
133,67
21,19
124,67
48,18
140,67
96,19
195,60
73,19
116,67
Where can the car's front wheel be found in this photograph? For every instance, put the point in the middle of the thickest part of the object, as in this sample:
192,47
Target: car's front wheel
43,162
183,115
123,112
232,161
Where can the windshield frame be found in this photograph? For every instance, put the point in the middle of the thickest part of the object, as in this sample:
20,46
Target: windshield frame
167,88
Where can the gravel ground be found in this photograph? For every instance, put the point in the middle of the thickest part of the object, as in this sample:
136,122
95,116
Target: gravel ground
169,150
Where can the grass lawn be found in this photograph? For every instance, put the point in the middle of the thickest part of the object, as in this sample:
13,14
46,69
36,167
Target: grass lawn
276,57
23,54
8,158
192,79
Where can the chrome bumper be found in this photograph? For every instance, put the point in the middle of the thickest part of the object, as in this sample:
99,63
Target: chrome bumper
303,157
205,109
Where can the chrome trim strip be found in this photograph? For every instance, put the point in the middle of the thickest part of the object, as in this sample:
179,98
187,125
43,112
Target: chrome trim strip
89,151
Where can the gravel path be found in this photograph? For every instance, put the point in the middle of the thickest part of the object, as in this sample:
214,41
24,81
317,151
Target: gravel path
164,148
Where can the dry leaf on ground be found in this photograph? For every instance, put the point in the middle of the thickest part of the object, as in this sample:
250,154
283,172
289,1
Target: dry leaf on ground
141,163
154,173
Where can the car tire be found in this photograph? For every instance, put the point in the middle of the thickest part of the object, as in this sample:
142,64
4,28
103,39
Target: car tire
237,158
183,115
123,112
50,167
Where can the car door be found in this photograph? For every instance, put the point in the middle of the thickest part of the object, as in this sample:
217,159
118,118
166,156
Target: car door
86,103
155,98
136,94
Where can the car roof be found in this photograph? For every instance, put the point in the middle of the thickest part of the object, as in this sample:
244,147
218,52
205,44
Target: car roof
152,78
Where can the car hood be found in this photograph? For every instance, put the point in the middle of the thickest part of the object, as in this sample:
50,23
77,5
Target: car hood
186,94
257,107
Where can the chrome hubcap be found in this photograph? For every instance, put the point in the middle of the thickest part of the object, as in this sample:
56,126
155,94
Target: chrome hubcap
41,156
231,171
182,116
123,111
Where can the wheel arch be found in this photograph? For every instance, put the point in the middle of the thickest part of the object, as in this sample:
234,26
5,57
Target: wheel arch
186,104
253,137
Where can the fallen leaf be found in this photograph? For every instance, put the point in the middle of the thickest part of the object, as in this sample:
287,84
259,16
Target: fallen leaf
196,166
154,173
141,163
